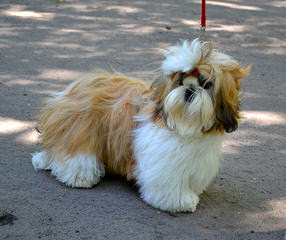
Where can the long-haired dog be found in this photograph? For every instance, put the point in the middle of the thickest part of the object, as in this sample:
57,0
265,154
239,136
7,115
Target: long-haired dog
167,136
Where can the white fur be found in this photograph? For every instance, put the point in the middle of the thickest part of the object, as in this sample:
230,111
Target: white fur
182,58
82,170
40,160
171,170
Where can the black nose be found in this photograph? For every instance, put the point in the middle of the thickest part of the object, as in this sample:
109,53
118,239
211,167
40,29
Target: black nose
189,94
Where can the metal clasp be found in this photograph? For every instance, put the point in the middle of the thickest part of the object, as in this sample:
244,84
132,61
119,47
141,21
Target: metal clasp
202,34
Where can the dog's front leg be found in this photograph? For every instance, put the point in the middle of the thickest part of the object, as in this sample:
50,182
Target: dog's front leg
166,192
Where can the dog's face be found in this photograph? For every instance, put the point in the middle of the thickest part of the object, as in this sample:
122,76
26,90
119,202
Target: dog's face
200,93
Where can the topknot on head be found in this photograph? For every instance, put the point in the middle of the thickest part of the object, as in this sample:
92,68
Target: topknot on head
185,57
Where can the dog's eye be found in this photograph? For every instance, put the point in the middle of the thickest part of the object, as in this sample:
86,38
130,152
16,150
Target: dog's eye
207,85
181,80
204,83
201,78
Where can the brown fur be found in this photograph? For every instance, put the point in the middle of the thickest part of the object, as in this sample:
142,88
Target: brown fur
95,115
227,78
227,98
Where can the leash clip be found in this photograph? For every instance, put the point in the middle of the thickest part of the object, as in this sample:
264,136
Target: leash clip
202,34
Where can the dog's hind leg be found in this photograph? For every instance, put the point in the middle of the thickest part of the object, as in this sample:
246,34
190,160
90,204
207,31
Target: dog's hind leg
41,160
80,171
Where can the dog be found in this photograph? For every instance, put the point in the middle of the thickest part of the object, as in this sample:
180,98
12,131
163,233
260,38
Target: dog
167,136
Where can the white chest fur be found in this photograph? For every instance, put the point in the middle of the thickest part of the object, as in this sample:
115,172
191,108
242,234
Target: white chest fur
172,171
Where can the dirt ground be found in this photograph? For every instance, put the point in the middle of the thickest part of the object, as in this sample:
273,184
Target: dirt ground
46,44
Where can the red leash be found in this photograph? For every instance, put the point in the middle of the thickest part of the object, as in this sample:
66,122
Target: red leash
203,21
203,18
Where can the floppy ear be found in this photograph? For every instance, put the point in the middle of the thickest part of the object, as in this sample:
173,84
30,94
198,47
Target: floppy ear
228,99
239,73
228,117
159,90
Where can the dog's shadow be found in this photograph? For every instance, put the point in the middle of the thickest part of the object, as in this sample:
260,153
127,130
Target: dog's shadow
110,179
220,197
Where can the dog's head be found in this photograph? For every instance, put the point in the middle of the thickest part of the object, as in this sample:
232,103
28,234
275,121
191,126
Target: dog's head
200,90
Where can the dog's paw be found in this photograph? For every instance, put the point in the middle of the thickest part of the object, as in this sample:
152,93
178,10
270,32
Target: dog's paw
189,202
82,181
80,171
41,161
186,201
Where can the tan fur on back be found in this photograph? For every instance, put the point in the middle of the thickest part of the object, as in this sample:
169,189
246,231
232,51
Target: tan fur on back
95,115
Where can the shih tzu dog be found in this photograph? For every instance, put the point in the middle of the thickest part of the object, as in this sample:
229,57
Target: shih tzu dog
167,136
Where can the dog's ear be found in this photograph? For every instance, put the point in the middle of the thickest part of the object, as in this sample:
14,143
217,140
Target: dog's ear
228,98
228,118
159,88
238,74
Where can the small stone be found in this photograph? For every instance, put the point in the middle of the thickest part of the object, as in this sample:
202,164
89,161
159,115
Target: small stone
6,218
